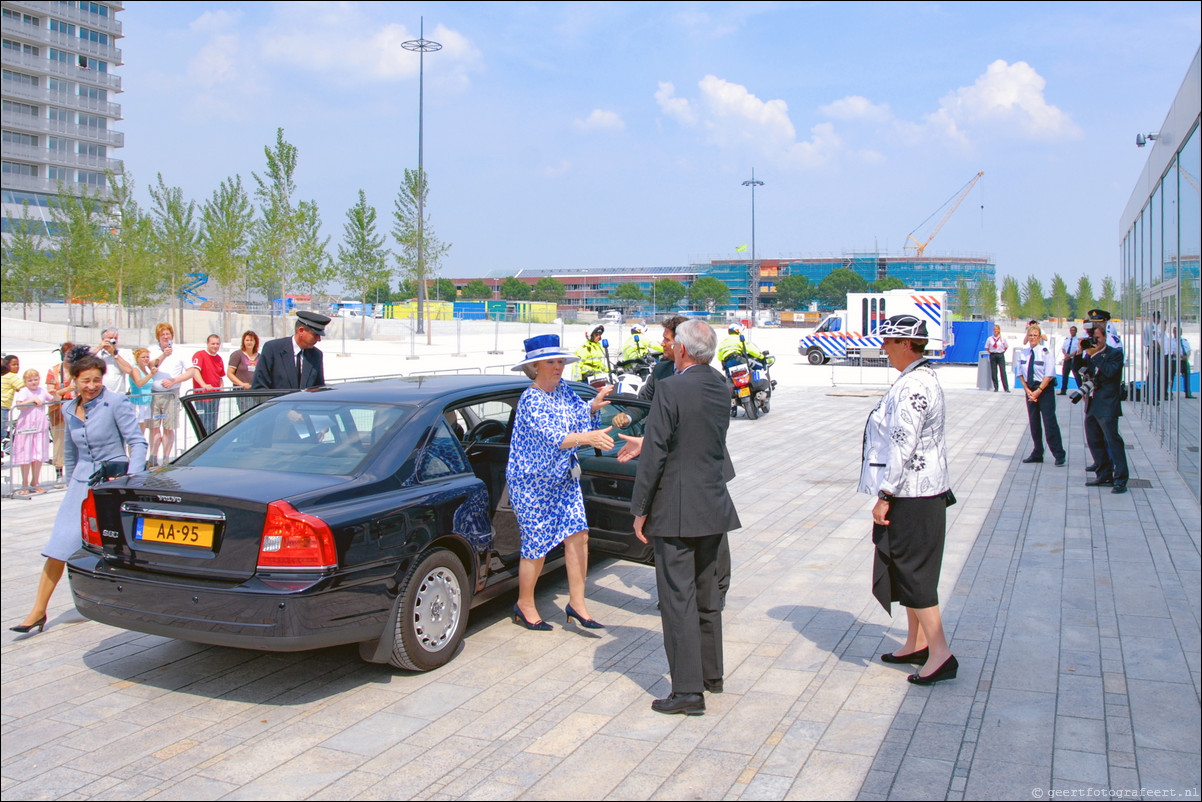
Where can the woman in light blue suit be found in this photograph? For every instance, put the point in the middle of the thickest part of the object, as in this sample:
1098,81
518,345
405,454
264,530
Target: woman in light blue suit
101,426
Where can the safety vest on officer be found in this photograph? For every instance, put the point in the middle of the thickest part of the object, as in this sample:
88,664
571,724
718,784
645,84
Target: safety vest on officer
638,347
731,346
591,356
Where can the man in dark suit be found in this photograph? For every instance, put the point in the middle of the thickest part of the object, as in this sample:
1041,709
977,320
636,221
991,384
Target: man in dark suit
1104,407
293,363
666,366
680,500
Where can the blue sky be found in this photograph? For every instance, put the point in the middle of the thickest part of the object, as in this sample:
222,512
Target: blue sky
584,135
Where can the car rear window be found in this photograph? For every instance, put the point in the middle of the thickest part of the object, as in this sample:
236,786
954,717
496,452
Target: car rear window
325,438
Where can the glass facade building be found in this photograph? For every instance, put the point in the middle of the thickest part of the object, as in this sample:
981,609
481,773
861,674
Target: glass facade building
1160,239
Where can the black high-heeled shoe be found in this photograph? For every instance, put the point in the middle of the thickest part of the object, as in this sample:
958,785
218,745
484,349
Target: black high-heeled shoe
945,671
22,628
518,618
913,658
587,623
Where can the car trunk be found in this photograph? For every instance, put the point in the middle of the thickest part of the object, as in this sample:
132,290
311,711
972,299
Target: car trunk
147,522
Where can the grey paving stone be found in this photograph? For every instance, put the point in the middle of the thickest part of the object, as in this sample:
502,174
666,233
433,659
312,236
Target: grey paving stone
1077,766
922,778
1163,715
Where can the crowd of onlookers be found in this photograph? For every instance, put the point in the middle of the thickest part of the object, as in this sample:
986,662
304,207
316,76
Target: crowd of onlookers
33,425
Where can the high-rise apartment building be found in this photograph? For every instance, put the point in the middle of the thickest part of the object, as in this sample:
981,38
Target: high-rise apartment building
59,87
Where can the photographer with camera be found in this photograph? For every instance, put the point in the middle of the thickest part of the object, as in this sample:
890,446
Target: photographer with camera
1102,370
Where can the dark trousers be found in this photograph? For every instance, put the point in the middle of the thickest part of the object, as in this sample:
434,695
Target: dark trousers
1041,416
1171,363
997,365
1107,448
686,575
1073,364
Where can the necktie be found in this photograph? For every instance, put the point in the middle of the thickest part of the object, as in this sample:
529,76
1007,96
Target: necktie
1031,371
298,368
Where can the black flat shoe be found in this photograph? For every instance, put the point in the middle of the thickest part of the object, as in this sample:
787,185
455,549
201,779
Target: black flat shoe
1119,489
945,671
1033,458
518,618
1092,468
713,685
913,658
691,704
1060,462
1100,483
23,628
587,623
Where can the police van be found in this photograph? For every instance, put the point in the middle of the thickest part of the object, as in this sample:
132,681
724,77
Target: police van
851,333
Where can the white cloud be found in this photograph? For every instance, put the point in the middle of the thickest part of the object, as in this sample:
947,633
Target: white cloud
734,117
555,170
216,62
677,108
1011,96
855,107
213,21
601,120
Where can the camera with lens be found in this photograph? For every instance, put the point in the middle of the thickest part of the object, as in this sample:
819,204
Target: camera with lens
1087,386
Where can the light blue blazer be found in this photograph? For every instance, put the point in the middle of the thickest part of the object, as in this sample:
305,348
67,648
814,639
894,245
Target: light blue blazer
110,427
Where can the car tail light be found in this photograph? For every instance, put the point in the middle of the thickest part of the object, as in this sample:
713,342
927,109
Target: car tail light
295,541
88,522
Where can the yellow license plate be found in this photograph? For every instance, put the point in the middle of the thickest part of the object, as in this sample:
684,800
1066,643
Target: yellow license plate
744,391
182,533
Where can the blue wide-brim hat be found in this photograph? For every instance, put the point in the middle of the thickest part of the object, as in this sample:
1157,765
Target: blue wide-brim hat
545,346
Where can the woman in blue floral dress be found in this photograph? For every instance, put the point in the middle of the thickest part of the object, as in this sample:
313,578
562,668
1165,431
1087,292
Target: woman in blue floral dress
543,474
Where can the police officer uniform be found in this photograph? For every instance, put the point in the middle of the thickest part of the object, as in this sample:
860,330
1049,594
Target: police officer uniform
1037,371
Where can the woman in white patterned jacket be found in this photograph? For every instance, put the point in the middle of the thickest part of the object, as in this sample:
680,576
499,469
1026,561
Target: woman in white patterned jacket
905,467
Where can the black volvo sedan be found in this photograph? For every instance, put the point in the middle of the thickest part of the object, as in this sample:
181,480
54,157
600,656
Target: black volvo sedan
372,512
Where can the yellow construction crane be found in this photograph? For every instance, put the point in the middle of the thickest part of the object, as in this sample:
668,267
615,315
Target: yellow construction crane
922,246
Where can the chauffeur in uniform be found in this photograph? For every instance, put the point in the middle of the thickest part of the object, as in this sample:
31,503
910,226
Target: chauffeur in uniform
1104,407
293,363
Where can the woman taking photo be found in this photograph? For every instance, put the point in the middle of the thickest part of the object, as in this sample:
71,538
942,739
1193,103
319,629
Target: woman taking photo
905,467
544,476
100,426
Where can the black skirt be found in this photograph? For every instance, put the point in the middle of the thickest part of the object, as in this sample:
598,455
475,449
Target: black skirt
909,553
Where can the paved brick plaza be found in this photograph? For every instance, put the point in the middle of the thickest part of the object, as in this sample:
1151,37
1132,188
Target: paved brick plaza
1074,614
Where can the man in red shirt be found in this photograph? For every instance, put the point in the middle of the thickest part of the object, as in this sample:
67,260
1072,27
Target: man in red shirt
207,376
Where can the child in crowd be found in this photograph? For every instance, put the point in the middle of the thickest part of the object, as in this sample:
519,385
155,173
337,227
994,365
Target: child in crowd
32,431
141,386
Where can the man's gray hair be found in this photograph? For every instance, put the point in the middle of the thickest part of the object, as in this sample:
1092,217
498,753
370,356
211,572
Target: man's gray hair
113,329
699,340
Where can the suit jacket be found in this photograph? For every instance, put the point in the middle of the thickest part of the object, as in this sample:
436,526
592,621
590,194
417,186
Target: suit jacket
662,370
1108,369
681,480
110,426
276,369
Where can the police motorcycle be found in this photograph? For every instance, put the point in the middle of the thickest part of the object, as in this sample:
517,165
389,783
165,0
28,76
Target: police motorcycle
624,375
634,369
750,381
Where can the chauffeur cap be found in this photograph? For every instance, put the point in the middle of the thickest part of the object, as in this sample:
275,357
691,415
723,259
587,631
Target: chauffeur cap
313,321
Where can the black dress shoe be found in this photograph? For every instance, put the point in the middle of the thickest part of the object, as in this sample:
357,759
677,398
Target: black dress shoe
1099,482
713,685
691,704
945,671
1060,462
913,658
1092,468
1033,458
1119,489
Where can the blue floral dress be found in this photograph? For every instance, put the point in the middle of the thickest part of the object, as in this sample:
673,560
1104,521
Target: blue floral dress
546,499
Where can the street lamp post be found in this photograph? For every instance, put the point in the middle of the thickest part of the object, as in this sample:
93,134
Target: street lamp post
755,277
421,46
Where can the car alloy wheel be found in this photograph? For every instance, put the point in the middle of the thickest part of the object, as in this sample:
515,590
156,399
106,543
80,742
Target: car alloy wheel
432,612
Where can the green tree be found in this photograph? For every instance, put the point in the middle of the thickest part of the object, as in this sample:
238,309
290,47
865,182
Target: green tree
548,290
276,255
794,291
176,241
226,222
833,289
1034,305
128,235
421,252
1012,298
514,289
667,293
26,263
1085,299
708,293
362,257
477,289
963,299
313,265
1108,300
627,296
1061,306
987,298
441,289
888,283
380,293
78,250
